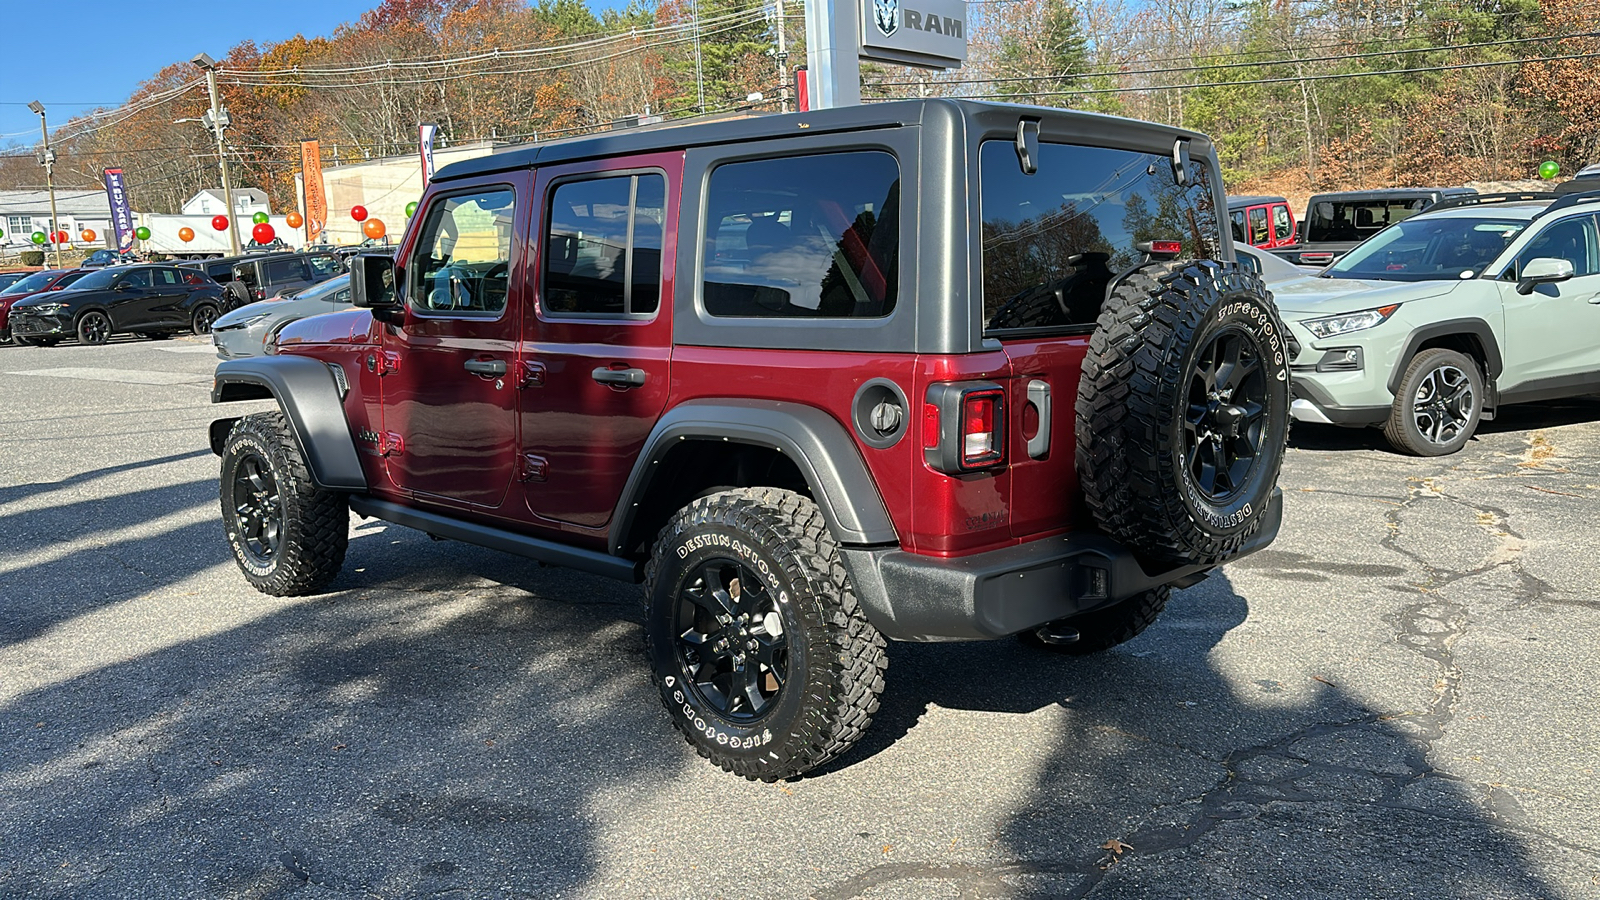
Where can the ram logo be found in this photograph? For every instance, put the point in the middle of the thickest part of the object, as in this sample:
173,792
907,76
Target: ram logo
886,15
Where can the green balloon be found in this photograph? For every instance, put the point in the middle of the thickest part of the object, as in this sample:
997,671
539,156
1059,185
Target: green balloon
142,233
260,218
411,209
1549,169
37,237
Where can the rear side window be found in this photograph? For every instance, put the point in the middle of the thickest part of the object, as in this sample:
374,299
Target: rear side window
603,250
1573,240
1053,240
166,277
803,237
325,265
282,270
1357,220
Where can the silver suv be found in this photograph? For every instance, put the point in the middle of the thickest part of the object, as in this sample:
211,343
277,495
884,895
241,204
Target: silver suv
1480,302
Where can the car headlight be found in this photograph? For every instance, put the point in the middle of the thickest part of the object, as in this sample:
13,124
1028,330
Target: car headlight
49,309
1344,323
241,323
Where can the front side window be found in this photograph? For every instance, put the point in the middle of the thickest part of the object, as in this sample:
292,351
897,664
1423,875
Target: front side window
603,247
1053,240
1572,240
325,265
463,259
139,278
1237,219
1282,226
803,237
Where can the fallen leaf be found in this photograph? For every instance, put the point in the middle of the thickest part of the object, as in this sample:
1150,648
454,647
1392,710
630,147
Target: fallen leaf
340,746
888,848
1115,846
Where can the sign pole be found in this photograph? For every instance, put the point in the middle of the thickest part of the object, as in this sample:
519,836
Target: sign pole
833,63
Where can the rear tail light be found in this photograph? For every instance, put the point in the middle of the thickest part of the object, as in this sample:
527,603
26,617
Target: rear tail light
1160,249
981,419
963,427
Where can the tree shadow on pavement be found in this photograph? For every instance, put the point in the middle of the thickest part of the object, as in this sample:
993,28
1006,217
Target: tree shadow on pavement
432,730
1169,778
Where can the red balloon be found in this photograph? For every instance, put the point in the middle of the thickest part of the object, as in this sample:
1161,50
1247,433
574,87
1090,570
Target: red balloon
373,228
219,223
359,213
61,237
293,220
186,234
262,233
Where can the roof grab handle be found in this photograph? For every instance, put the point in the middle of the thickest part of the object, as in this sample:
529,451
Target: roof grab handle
1028,145
1182,167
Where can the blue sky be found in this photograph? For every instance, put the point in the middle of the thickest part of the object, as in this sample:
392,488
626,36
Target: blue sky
102,50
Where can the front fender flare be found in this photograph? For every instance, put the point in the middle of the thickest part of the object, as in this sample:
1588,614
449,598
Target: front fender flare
311,399
819,446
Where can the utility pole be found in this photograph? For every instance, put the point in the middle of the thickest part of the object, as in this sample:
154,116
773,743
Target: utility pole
699,73
218,121
783,63
49,158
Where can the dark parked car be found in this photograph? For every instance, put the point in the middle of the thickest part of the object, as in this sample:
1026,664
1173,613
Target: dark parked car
103,258
8,277
257,276
149,300
1336,222
29,285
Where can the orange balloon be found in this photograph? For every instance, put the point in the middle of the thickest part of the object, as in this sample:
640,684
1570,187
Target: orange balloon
293,220
186,234
88,235
373,228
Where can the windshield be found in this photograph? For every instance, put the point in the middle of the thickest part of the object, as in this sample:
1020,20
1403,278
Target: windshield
34,282
324,290
1357,220
100,280
1428,250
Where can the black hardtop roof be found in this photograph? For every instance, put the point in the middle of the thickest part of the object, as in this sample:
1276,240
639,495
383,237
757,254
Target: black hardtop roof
1393,193
1252,200
698,133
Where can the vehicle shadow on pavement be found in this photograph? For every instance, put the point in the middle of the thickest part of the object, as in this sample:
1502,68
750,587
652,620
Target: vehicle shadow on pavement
1519,417
1170,778
425,729
13,493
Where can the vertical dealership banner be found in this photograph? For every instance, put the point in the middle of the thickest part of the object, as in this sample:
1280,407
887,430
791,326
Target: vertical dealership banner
316,197
121,215
425,135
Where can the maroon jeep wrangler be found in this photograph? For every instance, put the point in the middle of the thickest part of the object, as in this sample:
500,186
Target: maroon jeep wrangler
923,371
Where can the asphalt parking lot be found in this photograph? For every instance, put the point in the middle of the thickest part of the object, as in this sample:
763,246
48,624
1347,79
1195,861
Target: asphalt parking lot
1396,700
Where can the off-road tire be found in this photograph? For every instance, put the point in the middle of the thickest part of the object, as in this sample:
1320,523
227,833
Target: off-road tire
834,660
234,295
204,316
1102,629
94,328
288,536
1136,420
1404,431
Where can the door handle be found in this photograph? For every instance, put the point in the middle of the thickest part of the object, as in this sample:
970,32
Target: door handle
486,367
619,377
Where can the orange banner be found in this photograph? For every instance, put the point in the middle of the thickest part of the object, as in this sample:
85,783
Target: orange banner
316,196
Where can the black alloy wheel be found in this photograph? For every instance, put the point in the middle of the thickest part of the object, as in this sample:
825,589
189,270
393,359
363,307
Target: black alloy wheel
730,640
256,500
94,328
204,318
1223,425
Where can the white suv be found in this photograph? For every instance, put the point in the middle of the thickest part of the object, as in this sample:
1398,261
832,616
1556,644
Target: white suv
1480,302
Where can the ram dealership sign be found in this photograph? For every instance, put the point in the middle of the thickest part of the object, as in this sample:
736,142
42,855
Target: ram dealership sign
927,33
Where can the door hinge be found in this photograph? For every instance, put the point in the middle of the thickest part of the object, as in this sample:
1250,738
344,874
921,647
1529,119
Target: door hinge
532,374
391,444
534,467
383,363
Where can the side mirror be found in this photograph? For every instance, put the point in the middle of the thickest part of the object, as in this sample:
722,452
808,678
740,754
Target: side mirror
373,284
1246,261
1544,270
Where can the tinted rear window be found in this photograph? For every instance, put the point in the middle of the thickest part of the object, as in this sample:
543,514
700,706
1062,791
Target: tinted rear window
1053,240
803,237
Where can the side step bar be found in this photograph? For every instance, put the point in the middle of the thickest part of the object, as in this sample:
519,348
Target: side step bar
590,561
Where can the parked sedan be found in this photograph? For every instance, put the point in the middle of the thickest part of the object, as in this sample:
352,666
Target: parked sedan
100,259
247,330
148,300
36,283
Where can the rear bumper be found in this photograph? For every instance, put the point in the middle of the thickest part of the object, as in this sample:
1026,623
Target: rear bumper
910,597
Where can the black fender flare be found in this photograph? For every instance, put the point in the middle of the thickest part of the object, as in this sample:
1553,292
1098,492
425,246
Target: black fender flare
1478,328
312,401
820,447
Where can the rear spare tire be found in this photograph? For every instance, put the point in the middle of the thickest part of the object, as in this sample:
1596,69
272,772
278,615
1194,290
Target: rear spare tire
1183,411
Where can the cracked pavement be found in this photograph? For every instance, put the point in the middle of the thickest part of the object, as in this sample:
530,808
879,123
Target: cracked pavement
1393,701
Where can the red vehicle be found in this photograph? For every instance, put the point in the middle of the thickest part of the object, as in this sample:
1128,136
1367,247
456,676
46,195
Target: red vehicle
1265,222
39,282
811,379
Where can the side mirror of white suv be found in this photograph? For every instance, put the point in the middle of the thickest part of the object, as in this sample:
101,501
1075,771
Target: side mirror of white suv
1544,270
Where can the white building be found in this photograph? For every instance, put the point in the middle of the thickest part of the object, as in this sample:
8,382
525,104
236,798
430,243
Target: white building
246,202
77,209
383,186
